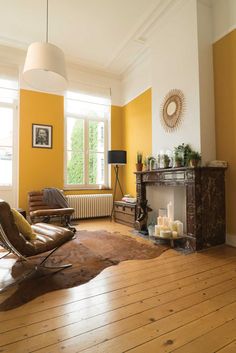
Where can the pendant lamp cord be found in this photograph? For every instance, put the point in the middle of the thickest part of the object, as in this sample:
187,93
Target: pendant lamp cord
47,23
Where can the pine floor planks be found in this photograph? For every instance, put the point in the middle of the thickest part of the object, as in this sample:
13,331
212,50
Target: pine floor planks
173,303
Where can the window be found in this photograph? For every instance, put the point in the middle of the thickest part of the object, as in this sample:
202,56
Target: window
86,138
8,95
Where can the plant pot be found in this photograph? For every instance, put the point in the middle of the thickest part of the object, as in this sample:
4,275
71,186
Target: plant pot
194,163
178,164
139,167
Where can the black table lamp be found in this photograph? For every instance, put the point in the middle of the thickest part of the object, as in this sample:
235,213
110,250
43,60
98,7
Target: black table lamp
116,157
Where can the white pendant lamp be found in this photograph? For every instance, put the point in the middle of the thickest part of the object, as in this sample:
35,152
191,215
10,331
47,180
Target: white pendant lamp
45,67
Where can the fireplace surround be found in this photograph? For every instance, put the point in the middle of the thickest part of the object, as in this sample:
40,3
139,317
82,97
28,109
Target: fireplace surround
205,202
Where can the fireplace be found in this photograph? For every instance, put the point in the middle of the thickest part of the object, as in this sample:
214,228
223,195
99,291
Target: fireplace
205,202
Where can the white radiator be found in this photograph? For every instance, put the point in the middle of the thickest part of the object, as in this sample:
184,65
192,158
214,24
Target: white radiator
87,206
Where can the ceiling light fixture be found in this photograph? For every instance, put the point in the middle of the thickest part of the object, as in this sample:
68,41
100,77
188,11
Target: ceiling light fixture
45,67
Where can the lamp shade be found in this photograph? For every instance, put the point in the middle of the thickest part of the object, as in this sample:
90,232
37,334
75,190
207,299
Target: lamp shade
117,157
45,68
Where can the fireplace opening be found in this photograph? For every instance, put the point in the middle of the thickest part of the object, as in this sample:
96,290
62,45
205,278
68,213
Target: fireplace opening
158,198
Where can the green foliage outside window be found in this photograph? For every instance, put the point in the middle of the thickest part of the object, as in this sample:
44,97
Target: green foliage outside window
93,145
75,169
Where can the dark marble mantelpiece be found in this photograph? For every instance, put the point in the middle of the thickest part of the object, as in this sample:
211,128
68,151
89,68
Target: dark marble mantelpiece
205,202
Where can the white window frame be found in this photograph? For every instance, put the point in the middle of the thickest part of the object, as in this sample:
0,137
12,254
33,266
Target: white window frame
14,182
86,184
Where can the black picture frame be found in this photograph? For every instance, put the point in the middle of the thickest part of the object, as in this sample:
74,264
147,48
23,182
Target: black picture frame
41,136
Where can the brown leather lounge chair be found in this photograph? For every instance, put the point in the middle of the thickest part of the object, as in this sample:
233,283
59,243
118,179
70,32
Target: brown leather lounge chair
38,209
47,238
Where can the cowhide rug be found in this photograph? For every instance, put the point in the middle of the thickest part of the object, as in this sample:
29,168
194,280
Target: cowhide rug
89,253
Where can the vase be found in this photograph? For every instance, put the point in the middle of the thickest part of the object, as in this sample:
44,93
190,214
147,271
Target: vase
178,164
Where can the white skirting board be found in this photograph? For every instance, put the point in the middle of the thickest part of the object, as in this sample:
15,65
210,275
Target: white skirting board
231,239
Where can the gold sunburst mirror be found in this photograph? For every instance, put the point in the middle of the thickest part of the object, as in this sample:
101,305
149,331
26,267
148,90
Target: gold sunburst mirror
172,110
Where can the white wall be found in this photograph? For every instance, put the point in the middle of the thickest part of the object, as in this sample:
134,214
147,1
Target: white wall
179,56
206,84
136,80
224,17
174,64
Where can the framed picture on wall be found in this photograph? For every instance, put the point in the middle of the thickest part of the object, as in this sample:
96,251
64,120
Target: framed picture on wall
41,136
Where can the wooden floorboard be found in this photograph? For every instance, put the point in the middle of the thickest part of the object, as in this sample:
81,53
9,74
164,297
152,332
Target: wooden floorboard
173,303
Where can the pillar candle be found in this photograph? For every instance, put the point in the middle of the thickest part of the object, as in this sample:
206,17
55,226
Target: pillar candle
160,221
174,234
166,221
170,211
180,228
165,233
157,230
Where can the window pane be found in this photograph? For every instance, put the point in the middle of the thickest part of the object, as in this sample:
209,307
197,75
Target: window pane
96,136
75,167
87,109
6,123
5,166
96,168
75,154
75,134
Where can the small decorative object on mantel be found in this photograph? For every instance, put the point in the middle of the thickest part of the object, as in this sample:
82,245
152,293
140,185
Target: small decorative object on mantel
217,164
194,159
172,110
182,152
166,160
139,164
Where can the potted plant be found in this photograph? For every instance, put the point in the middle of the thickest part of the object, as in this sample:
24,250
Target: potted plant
183,151
151,162
139,164
178,160
166,160
194,159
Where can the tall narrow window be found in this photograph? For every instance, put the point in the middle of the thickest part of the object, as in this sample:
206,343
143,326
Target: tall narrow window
8,96
6,145
86,121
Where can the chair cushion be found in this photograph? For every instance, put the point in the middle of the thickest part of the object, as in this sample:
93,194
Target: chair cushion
49,236
52,212
23,226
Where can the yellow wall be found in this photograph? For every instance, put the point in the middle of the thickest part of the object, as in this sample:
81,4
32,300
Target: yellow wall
117,133
131,129
137,123
39,168
224,54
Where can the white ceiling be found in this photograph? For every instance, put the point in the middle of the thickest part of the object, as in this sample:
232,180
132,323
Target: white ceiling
107,35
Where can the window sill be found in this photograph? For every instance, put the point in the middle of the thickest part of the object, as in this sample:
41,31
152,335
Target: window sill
86,189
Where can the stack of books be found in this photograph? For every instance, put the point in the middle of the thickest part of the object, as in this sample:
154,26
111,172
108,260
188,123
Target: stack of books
129,199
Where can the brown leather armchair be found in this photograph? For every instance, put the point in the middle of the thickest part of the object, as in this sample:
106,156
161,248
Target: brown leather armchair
48,238
39,210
